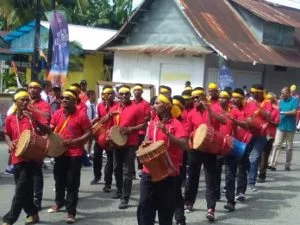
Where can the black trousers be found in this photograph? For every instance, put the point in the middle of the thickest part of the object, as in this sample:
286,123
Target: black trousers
179,201
141,139
23,198
123,169
243,171
97,164
67,178
195,160
230,177
220,164
158,196
265,159
38,185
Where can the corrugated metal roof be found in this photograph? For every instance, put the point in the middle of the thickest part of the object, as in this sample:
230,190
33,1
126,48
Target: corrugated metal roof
270,13
163,49
90,38
220,26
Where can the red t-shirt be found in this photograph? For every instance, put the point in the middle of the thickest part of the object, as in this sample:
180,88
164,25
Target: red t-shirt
82,107
130,115
76,126
13,128
275,116
83,97
229,128
146,108
175,127
103,111
43,106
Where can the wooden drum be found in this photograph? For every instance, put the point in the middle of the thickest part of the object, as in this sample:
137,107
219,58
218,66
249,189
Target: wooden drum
116,137
97,129
156,159
207,139
55,148
32,146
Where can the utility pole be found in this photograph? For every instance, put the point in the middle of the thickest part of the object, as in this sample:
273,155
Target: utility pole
50,42
36,51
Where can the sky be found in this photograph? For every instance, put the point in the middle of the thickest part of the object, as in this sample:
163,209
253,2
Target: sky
290,3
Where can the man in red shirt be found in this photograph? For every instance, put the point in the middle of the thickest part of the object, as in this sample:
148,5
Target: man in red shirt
127,116
41,111
24,169
203,113
145,107
102,143
273,123
160,196
261,108
74,127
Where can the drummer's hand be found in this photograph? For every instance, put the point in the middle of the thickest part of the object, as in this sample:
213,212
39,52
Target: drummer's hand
12,145
205,105
95,120
28,114
125,130
68,143
112,114
31,108
145,143
161,126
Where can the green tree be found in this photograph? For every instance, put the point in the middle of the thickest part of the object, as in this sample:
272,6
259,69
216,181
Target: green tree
97,13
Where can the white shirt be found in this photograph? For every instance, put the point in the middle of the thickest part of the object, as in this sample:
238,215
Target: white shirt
45,97
91,107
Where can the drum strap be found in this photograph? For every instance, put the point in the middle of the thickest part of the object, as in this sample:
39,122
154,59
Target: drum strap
59,131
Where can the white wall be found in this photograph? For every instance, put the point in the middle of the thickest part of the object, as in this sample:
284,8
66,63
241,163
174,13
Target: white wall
156,70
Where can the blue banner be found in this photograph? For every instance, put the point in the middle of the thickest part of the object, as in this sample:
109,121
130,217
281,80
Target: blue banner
225,77
60,56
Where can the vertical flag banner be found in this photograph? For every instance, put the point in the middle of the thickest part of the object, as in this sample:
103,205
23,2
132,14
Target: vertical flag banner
60,55
225,75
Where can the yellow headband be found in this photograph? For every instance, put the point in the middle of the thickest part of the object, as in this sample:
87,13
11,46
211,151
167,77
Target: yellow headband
197,93
255,90
237,95
164,90
164,99
293,87
186,97
107,90
74,88
34,84
224,94
137,87
269,97
124,90
70,94
212,86
176,111
21,94
188,88
177,102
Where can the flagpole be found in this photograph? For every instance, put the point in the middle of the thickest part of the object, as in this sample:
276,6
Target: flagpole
35,58
50,43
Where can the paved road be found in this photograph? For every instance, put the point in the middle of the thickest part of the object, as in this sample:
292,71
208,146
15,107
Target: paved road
276,202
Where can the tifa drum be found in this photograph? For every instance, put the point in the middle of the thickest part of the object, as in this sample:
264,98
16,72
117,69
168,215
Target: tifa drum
97,129
116,137
156,159
207,139
55,147
32,146
258,125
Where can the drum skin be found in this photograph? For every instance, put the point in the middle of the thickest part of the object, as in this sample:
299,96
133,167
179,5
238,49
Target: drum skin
32,146
156,158
55,147
116,137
